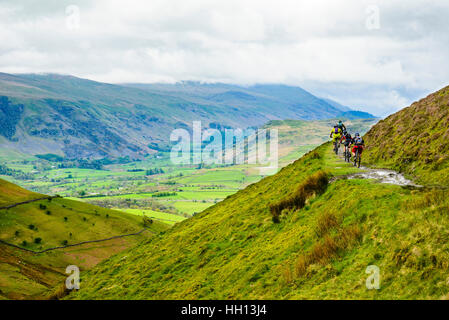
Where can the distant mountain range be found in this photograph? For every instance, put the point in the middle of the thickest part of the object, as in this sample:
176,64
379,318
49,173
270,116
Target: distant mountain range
79,118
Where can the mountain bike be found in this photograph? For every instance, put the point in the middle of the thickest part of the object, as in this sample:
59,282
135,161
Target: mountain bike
347,154
357,158
336,146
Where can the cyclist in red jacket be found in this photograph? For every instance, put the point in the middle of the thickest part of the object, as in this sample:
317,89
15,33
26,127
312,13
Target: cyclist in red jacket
359,145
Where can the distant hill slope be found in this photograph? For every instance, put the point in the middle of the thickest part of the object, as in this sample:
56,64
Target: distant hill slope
80,118
414,140
353,114
11,193
337,105
274,100
293,235
56,222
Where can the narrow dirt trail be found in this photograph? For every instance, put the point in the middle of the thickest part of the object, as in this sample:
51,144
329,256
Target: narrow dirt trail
380,175
383,176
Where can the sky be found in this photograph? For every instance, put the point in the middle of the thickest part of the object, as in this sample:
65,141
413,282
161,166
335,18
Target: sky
377,55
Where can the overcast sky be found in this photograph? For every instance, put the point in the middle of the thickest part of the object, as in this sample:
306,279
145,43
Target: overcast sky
373,55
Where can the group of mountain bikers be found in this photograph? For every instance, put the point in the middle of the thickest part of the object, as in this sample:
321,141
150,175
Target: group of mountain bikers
340,135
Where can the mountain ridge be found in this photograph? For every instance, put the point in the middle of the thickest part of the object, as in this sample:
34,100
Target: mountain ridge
80,118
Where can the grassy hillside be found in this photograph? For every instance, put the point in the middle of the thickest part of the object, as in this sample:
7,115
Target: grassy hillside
295,235
56,222
414,140
234,249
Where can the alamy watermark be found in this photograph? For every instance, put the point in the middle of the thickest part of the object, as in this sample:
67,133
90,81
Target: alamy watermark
373,280
73,280
372,21
73,17
226,147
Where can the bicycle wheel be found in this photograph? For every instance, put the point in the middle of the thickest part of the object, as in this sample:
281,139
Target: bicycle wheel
359,160
355,157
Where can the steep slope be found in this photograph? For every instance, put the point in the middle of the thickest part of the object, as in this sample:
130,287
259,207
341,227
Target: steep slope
79,118
414,140
55,222
320,247
234,250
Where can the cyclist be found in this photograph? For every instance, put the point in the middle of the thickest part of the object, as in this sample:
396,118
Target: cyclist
359,145
347,140
335,136
341,126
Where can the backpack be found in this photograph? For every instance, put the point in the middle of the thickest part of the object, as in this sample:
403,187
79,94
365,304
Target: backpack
358,141
336,129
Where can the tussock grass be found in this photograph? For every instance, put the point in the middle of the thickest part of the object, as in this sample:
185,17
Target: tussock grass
426,200
59,293
314,185
327,249
325,223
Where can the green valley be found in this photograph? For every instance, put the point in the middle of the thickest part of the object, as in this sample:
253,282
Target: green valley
155,184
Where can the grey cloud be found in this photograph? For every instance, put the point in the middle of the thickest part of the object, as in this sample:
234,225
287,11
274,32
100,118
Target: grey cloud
323,46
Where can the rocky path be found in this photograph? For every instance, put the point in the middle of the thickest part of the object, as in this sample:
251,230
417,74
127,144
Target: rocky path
381,175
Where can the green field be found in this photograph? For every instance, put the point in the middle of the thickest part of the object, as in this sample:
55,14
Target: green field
156,215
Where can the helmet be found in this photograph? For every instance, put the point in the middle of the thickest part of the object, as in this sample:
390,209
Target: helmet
357,134
339,121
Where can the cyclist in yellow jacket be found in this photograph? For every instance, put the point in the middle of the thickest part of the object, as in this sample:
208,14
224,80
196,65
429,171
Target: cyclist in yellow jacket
336,133
336,136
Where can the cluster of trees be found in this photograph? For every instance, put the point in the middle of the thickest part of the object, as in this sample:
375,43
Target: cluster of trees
154,171
18,174
82,164
163,194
